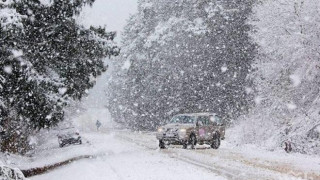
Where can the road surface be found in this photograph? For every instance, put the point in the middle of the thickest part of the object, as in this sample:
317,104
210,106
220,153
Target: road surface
136,156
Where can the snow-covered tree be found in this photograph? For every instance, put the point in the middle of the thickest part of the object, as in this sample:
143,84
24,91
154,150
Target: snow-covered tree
287,74
46,59
183,56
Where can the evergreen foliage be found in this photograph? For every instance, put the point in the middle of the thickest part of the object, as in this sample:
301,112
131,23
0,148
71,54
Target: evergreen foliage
286,77
184,56
46,59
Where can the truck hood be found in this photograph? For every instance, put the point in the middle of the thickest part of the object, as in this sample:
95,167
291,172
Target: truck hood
177,126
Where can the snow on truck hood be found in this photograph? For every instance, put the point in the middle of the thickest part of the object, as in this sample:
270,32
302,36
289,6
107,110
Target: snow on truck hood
177,126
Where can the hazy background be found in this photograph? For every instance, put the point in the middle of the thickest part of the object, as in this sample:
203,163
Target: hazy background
110,13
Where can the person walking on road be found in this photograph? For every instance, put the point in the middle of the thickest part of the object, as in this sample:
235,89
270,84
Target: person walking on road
98,124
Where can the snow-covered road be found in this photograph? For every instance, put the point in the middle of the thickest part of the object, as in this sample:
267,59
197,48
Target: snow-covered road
129,155
238,162
125,160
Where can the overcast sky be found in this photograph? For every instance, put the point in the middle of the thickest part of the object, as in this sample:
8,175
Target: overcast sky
112,13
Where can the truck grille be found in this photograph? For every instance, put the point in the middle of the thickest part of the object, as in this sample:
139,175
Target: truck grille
171,130
171,134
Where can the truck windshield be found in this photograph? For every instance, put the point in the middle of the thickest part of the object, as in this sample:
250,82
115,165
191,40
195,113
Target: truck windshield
182,120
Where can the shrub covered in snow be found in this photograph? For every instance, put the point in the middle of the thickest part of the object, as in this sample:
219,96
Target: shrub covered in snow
7,173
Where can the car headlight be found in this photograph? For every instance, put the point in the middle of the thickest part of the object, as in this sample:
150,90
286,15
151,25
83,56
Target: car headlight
182,130
160,129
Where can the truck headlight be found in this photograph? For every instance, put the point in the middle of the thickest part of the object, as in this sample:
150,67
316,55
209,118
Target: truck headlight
160,130
182,133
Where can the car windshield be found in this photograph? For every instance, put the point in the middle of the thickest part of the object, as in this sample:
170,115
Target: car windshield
182,120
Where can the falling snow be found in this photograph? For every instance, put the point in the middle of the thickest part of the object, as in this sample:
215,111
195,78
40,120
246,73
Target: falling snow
8,69
253,64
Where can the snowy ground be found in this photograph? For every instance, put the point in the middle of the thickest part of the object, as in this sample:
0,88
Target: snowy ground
118,159
122,154
247,162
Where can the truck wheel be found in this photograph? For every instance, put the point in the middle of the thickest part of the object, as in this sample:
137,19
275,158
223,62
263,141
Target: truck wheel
185,145
215,142
161,144
192,141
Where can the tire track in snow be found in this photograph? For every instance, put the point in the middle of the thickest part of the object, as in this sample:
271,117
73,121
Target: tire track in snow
184,159
115,172
234,169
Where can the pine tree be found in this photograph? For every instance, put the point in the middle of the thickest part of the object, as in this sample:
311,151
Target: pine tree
46,60
185,56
